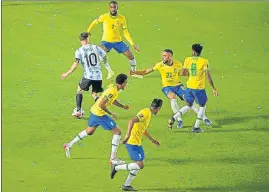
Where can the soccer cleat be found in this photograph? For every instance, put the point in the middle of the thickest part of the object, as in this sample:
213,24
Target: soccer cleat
197,130
67,150
113,171
116,161
180,124
138,76
110,74
171,122
208,122
128,188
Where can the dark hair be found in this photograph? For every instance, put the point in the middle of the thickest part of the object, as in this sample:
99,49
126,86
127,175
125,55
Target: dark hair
121,78
156,103
84,36
168,51
197,48
113,2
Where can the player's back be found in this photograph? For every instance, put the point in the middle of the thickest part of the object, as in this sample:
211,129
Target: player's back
169,73
196,67
111,93
91,56
139,128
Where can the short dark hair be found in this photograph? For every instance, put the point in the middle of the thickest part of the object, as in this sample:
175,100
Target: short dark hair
113,2
83,36
168,51
197,48
156,103
121,78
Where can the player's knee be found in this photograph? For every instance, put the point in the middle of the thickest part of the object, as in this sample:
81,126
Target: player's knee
90,131
171,96
116,131
79,91
141,165
202,105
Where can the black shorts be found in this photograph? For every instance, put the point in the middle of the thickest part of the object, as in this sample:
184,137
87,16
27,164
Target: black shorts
85,84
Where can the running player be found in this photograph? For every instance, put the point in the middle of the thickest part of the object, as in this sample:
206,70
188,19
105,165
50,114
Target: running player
196,67
99,116
136,129
112,24
172,87
90,57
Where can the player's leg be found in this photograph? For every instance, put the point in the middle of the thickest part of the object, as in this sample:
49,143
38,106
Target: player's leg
205,119
96,88
106,46
201,99
121,47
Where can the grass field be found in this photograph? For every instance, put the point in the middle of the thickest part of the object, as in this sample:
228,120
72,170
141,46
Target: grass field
38,44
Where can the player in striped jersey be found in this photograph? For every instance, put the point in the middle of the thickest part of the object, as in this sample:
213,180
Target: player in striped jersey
90,57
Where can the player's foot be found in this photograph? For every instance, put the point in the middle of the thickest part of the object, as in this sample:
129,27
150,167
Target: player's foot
180,124
110,74
117,161
67,150
197,130
113,171
208,122
128,188
138,76
171,122
78,113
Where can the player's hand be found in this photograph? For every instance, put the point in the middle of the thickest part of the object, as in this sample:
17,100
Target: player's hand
64,75
215,92
156,142
126,107
114,116
136,48
126,138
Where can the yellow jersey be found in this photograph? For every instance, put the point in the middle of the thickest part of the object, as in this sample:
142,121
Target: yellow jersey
111,93
112,26
139,128
169,73
196,67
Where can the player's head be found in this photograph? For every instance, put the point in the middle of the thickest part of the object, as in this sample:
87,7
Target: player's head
113,8
196,49
156,106
167,56
121,81
83,37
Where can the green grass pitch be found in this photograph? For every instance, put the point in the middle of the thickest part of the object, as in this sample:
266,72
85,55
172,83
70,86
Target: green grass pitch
38,44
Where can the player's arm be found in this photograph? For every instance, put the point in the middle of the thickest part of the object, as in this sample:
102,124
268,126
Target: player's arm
103,106
185,70
210,81
142,72
72,68
127,35
151,138
95,22
130,127
118,104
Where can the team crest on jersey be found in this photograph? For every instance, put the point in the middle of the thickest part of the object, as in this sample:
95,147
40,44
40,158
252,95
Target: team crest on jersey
118,22
140,115
175,70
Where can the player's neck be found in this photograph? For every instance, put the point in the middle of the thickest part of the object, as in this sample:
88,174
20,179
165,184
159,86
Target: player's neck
170,63
113,16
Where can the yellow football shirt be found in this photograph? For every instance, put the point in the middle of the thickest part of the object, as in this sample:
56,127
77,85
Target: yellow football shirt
169,74
140,127
112,26
196,67
111,93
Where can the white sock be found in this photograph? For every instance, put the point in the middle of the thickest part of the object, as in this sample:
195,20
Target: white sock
199,117
131,177
108,68
129,166
177,116
196,110
80,136
133,64
184,109
115,145
174,105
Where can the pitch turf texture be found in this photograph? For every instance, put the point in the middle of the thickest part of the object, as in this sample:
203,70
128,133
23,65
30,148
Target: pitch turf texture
39,41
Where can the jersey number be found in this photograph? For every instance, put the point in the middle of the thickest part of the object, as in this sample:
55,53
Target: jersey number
168,75
193,69
91,59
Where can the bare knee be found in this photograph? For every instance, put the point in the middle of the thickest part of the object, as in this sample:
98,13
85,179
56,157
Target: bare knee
171,95
141,164
116,131
90,131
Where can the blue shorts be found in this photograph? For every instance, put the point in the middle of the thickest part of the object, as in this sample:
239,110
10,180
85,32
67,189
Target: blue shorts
196,94
120,47
177,90
104,121
136,152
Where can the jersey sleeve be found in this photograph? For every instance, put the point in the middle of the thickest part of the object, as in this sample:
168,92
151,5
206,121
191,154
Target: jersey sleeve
109,93
100,51
156,67
186,64
206,65
77,56
101,19
124,24
142,115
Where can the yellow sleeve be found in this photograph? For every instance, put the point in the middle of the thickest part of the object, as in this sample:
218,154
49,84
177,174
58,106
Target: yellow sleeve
156,67
142,115
95,22
126,32
109,93
206,65
186,64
